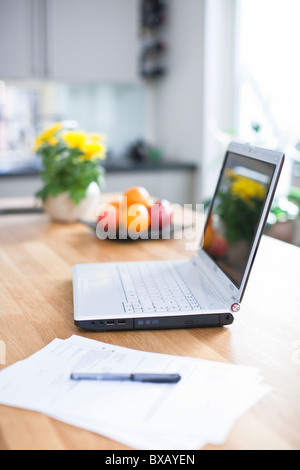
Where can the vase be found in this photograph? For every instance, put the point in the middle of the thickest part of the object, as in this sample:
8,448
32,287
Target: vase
62,209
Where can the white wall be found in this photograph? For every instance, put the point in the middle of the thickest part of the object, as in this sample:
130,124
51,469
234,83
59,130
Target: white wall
176,100
196,98
219,88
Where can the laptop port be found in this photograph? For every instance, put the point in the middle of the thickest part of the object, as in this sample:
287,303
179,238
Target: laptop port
110,323
121,322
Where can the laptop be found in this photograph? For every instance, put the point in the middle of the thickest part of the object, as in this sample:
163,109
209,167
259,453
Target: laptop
204,290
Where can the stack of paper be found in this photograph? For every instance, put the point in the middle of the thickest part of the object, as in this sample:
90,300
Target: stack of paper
200,409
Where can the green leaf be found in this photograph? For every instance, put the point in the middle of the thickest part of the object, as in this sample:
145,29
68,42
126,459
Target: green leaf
64,170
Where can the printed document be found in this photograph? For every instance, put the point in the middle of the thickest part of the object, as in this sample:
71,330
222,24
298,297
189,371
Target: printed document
199,409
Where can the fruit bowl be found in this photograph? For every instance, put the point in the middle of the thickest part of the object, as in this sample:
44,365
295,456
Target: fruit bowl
134,216
150,234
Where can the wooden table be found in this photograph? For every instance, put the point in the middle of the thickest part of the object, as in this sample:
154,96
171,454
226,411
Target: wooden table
36,306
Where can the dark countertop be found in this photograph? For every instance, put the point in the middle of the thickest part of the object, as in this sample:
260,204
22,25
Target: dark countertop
33,168
126,165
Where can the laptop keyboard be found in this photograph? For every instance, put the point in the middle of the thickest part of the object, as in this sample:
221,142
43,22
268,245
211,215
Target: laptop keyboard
151,288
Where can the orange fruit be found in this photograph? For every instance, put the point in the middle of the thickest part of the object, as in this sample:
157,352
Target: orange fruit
210,234
137,195
134,218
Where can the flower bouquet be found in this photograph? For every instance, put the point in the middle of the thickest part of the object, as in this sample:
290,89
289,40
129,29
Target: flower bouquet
70,167
245,198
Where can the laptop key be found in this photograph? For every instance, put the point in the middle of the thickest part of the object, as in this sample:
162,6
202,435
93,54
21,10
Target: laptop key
149,289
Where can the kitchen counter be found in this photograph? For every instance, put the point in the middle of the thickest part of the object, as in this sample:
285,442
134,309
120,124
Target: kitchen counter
166,179
36,306
33,167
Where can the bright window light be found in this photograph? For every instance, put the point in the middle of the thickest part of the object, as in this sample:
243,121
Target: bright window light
268,41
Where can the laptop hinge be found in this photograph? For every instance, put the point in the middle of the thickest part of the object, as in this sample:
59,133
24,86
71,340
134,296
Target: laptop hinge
222,292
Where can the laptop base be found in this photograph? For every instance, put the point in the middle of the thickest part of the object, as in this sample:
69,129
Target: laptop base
158,323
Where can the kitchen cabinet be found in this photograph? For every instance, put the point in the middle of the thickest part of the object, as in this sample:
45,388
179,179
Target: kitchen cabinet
20,39
167,180
178,186
81,40
92,39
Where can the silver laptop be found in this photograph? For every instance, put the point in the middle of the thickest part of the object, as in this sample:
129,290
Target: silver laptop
203,291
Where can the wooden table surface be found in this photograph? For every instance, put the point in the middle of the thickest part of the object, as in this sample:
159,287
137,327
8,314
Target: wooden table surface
36,306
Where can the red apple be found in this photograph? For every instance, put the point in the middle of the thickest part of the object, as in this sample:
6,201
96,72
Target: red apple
219,247
160,214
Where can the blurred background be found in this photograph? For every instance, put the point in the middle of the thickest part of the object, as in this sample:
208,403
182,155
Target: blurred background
170,83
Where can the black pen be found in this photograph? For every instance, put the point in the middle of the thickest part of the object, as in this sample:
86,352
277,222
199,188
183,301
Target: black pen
153,378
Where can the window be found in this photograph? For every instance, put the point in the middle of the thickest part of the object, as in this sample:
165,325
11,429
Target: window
251,81
26,108
18,117
268,71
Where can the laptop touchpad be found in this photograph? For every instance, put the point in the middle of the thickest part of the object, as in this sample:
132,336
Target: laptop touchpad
99,290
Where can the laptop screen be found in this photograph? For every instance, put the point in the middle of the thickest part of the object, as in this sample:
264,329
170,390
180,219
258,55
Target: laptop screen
235,213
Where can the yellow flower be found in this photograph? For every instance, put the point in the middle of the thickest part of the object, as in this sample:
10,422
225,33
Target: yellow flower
91,145
75,139
37,144
53,141
94,136
231,174
247,188
93,150
52,129
48,136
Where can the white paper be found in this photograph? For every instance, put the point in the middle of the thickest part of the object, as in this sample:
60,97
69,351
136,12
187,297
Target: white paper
200,409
